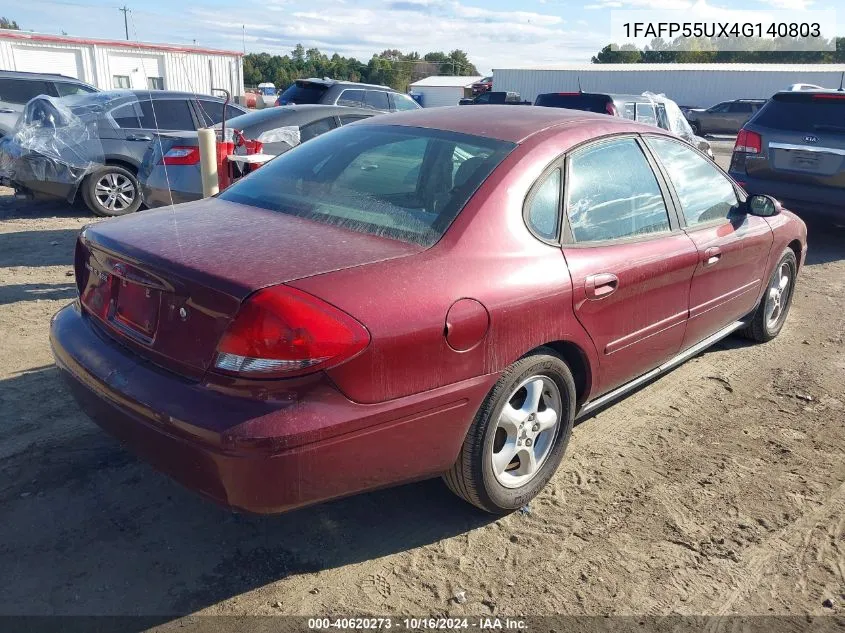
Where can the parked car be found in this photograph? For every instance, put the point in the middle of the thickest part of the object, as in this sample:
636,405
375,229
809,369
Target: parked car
364,310
484,85
648,108
267,93
794,148
17,88
92,144
170,171
723,118
495,98
346,93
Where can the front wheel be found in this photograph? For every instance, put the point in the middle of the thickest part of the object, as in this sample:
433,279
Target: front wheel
519,435
770,315
111,190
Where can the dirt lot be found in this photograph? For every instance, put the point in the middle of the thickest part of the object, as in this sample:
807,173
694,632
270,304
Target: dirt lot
718,489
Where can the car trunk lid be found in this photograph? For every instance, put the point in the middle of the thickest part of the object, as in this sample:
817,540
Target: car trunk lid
167,283
802,137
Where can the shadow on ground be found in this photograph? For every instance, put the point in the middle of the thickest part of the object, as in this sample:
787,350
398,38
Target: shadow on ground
88,529
13,293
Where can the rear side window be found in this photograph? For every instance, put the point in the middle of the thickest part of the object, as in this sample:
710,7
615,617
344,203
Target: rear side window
65,89
370,179
351,98
739,107
19,91
574,101
544,207
613,193
376,99
169,114
804,113
703,191
403,102
303,92
212,111
307,132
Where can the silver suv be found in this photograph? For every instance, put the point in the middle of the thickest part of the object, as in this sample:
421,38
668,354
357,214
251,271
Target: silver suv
723,118
17,88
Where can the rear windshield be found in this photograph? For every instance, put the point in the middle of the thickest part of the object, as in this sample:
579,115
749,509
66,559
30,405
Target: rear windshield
399,182
575,101
804,113
302,92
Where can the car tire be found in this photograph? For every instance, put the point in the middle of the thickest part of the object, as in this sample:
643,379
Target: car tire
480,475
769,317
107,181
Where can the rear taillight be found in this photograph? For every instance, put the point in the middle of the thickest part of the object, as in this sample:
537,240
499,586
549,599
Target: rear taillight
181,155
748,142
610,108
281,331
823,97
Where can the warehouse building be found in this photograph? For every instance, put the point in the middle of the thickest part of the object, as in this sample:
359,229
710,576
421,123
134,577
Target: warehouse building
442,90
695,85
109,64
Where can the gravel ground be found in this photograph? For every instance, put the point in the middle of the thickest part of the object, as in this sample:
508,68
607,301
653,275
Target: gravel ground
718,489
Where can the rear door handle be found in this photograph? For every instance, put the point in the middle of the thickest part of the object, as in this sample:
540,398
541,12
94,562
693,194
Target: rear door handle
601,285
712,256
139,137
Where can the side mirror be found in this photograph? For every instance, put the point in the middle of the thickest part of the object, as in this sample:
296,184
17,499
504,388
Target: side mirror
763,206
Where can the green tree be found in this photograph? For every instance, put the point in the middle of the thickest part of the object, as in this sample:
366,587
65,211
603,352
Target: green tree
9,24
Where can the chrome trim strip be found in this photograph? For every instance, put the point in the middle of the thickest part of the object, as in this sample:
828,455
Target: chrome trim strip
807,148
654,373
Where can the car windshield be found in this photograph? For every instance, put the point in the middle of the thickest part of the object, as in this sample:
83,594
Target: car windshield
303,92
399,182
802,112
574,101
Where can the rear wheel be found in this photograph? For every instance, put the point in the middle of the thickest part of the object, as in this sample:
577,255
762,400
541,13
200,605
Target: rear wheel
519,435
770,315
111,190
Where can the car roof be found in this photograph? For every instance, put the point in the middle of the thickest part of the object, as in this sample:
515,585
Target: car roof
504,122
114,97
295,114
20,74
337,82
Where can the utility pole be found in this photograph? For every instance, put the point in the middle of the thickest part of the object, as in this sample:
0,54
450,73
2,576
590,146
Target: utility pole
125,10
243,35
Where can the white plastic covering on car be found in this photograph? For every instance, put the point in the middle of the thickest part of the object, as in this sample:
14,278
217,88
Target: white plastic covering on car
678,122
53,143
287,134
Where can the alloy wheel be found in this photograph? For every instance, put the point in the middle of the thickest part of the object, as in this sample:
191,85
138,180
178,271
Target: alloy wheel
114,192
778,295
525,431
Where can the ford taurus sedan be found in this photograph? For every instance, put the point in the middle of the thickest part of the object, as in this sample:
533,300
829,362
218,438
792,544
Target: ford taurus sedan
428,294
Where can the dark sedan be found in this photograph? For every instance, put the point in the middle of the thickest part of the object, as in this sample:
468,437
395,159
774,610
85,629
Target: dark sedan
92,145
170,171
416,295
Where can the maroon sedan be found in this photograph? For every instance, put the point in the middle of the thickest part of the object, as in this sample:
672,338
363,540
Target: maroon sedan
430,293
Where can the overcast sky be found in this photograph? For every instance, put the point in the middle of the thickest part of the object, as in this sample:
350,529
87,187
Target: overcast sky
495,33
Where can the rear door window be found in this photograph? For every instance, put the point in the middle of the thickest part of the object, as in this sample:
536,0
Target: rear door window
613,193
212,111
168,114
19,91
645,114
66,89
376,99
704,192
739,107
351,98
403,102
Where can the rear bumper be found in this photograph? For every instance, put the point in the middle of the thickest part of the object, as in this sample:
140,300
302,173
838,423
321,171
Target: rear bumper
260,454
163,197
178,184
787,191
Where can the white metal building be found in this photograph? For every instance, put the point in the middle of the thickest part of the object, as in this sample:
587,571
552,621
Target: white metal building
109,64
697,85
442,90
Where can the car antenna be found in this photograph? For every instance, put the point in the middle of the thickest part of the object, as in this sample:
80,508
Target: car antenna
579,85
841,82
